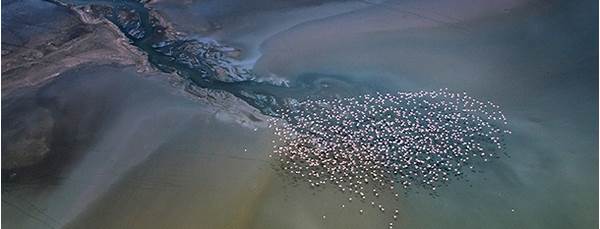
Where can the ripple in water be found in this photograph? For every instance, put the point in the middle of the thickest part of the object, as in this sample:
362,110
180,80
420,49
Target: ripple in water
384,144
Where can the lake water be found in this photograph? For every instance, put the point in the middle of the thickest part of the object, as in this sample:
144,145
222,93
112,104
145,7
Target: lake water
160,160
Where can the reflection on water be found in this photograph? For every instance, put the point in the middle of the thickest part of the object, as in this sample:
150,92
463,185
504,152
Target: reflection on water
146,158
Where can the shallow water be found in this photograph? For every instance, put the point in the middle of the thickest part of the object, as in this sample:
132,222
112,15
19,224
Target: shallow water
537,61
159,160
111,120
